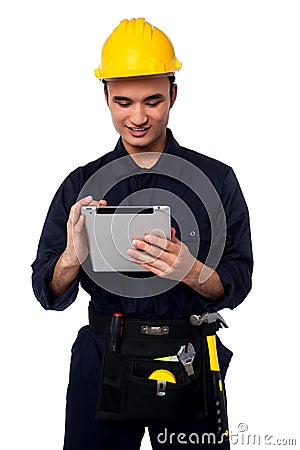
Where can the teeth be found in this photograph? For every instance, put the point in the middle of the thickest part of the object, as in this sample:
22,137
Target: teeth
138,129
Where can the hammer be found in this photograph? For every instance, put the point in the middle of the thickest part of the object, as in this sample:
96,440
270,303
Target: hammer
219,394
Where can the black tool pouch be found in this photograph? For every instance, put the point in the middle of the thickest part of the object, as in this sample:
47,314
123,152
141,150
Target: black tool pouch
127,393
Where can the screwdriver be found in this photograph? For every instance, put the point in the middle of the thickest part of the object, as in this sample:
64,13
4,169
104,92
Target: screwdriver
116,330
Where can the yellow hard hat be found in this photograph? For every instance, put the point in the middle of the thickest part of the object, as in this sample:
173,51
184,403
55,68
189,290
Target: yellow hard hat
136,48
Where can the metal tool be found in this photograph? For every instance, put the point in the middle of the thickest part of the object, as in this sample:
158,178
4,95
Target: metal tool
220,400
162,377
207,318
218,388
186,355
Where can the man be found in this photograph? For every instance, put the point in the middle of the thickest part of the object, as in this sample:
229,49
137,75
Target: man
204,267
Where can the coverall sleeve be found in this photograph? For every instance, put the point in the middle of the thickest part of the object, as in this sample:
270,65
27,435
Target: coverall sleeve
236,264
51,245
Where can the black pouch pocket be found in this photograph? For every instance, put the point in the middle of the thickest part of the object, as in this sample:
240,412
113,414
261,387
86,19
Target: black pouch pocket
127,393
156,400
111,393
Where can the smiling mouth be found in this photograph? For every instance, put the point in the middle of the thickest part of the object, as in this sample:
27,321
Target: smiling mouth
138,129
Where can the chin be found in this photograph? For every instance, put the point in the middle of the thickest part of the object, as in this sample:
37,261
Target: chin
139,142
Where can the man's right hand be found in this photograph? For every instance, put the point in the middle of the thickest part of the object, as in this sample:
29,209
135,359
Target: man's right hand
76,251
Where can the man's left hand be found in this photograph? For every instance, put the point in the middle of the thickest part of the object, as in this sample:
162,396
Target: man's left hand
166,258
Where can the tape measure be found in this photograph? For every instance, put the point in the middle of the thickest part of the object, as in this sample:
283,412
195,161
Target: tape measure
162,375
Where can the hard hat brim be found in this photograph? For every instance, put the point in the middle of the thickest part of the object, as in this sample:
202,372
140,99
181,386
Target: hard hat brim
140,77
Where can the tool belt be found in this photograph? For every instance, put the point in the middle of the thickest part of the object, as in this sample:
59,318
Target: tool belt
127,393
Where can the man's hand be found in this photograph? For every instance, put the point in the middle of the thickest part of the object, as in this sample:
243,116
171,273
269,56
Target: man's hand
76,251
172,259
165,258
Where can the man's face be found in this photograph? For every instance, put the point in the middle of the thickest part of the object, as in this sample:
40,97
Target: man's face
140,111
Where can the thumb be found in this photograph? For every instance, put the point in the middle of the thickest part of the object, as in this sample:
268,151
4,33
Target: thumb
174,239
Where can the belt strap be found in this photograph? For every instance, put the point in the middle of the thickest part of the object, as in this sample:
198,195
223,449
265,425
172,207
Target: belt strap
137,327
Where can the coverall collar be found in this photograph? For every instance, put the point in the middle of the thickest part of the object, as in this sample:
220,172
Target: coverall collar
127,166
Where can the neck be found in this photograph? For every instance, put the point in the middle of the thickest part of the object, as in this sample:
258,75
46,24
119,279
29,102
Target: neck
147,155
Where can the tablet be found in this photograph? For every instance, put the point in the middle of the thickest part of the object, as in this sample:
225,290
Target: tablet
110,230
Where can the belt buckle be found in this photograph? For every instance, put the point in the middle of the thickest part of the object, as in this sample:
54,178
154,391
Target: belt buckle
155,331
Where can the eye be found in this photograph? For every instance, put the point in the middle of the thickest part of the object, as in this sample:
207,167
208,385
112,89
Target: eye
123,104
153,104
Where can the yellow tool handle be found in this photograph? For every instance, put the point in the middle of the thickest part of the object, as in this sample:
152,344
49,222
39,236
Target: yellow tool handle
213,355
220,401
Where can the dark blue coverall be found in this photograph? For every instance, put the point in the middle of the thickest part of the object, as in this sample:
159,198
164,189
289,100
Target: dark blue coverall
83,432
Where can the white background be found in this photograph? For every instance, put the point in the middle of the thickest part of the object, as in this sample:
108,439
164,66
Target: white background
238,101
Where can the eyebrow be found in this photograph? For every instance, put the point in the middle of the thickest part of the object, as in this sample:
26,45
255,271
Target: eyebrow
120,98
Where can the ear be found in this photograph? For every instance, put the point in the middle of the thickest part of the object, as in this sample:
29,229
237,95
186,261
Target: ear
174,95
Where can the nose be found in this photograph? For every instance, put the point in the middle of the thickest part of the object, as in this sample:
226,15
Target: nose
138,116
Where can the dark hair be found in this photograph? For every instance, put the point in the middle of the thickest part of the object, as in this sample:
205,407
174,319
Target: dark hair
172,82
171,79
